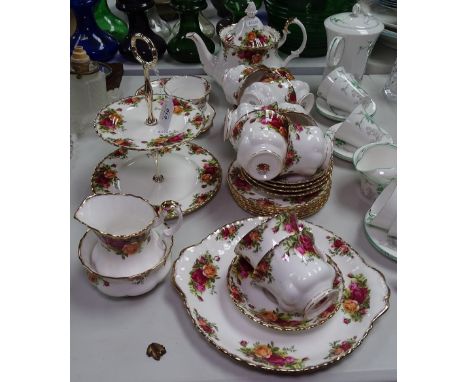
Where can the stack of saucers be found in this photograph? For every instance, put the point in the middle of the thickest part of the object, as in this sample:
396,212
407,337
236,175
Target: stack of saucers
301,195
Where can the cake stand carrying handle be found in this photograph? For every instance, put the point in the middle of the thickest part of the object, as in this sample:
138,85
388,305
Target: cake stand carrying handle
147,65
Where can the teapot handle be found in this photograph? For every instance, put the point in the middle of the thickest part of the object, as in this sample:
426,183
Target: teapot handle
295,53
335,51
164,209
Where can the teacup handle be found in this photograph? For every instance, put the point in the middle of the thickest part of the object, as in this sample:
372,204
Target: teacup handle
335,51
164,209
295,53
307,102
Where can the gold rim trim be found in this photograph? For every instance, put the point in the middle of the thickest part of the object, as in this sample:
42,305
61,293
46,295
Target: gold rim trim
301,328
197,132
270,369
168,249
96,195
189,210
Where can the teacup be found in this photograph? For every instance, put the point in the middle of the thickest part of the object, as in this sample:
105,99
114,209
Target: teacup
346,94
359,129
328,81
258,241
192,88
123,222
383,212
239,77
278,91
309,149
262,145
377,164
298,276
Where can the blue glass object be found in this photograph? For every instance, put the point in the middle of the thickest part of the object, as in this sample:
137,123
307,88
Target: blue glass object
99,45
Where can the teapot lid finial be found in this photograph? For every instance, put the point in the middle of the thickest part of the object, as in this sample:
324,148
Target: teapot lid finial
356,10
251,9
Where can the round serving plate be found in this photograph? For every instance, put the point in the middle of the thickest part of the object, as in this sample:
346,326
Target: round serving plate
255,304
200,277
122,123
192,176
339,115
379,239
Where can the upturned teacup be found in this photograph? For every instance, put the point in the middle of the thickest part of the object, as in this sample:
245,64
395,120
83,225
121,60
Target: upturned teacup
123,222
377,165
261,239
298,276
262,143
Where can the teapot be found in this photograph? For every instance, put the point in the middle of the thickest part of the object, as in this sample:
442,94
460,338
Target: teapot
248,42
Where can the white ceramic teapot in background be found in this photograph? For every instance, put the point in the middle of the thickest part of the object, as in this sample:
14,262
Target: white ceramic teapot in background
350,39
248,42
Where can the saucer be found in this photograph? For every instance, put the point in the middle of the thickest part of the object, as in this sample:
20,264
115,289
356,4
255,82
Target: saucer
256,202
379,239
338,115
131,285
200,277
192,176
122,123
107,263
345,151
261,308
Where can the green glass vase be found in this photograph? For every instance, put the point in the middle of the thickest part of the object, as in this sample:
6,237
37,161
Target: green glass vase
109,22
181,48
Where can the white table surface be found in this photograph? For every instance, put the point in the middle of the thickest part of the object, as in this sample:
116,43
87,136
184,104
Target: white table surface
109,336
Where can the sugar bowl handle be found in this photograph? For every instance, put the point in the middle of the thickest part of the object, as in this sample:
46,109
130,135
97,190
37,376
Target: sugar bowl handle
167,207
147,65
295,53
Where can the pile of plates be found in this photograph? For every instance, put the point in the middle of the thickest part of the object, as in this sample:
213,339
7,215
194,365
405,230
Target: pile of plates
303,196
388,3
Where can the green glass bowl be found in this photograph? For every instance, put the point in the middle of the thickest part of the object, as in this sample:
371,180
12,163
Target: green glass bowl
312,13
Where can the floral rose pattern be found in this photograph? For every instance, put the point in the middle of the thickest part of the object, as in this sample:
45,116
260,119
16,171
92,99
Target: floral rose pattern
339,247
271,355
254,38
251,57
203,275
125,247
201,198
252,240
279,318
238,181
263,270
131,101
356,297
168,140
95,279
209,328
122,142
104,177
181,107
110,120
242,269
210,172
229,232
338,348
303,243
286,222
236,293
263,168
198,120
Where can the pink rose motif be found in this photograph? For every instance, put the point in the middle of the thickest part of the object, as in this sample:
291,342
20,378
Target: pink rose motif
209,169
278,360
358,293
306,244
202,260
200,287
176,138
243,343
199,277
345,345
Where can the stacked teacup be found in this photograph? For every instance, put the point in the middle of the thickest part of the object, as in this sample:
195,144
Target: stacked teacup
288,276
281,151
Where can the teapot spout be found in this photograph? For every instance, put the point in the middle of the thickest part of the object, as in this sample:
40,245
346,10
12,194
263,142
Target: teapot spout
206,58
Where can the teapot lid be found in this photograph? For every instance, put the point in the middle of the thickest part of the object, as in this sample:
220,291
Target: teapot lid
355,20
249,32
